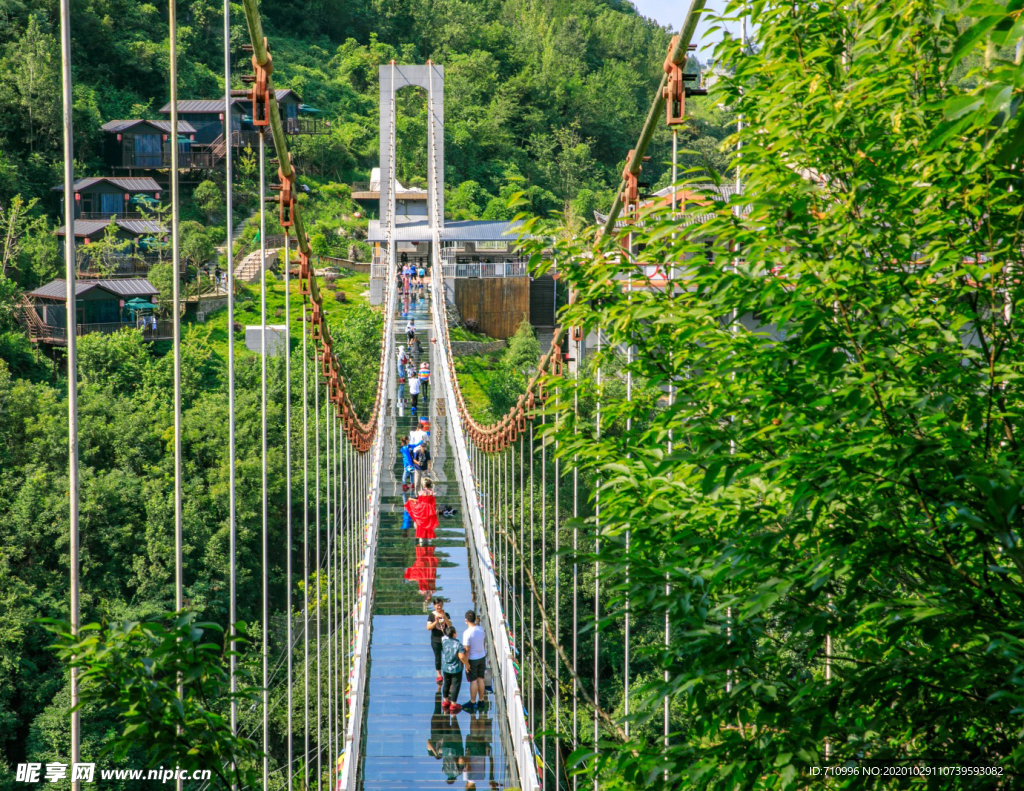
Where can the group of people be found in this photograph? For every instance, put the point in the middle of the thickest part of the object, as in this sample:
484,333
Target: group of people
146,323
453,656
412,276
416,377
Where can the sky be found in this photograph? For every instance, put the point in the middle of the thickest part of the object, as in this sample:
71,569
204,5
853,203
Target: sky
672,13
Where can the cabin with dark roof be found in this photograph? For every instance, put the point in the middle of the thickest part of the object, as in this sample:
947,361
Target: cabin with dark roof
207,116
138,144
141,243
100,306
103,197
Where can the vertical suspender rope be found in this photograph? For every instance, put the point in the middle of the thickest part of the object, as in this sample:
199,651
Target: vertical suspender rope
339,582
233,526
320,587
70,276
575,558
672,396
507,526
597,571
732,326
263,435
522,564
288,493
332,575
558,633
305,551
533,577
629,428
179,593
328,423
544,590
339,576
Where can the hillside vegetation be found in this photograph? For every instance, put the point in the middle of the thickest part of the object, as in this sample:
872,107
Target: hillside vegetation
542,96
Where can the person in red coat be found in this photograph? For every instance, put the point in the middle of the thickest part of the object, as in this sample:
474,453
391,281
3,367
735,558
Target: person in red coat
424,512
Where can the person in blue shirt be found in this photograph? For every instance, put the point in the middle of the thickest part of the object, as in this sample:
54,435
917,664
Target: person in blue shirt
407,466
453,663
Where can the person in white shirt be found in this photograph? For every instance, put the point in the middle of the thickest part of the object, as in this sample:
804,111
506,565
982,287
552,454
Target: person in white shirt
414,392
476,654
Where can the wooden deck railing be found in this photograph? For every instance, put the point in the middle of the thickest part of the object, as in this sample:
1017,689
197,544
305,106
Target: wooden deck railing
48,333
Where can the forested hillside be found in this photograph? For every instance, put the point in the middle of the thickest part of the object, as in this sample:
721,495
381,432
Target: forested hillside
543,96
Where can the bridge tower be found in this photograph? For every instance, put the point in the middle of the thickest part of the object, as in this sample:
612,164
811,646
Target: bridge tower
412,212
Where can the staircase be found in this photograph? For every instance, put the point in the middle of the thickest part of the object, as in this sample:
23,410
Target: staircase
542,301
248,269
30,320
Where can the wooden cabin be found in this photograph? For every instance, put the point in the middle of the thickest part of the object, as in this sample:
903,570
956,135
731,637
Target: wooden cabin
100,306
137,144
207,116
144,240
103,197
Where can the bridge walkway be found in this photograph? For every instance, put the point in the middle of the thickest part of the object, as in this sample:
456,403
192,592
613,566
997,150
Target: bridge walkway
408,741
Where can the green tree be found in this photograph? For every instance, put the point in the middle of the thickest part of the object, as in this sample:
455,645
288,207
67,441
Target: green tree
133,669
33,69
209,200
116,360
194,244
838,520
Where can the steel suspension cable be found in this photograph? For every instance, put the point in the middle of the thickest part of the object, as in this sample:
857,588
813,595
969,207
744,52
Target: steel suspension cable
671,401
544,588
558,608
263,455
71,295
575,553
319,587
288,492
305,550
179,593
331,736
533,576
232,510
629,428
597,570
522,563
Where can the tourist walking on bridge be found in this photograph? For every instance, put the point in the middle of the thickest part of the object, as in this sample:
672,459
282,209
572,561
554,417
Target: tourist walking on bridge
437,623
424,513
414,392
408,469
476,654
453,663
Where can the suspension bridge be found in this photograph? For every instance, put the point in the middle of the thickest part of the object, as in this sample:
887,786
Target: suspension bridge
363,709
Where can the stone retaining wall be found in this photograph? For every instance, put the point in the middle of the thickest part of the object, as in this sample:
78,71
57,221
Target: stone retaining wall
208,306
464,348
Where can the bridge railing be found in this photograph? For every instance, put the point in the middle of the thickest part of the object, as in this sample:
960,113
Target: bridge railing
497,625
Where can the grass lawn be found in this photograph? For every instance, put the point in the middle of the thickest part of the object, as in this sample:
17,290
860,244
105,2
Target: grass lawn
462,334
475,372
247,310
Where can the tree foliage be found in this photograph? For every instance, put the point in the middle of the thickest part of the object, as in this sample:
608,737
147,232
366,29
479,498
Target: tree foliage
834,496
